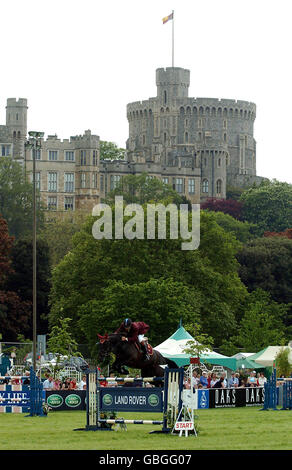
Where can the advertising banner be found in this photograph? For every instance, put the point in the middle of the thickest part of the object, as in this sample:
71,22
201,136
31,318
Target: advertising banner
236,397
60,400
131,399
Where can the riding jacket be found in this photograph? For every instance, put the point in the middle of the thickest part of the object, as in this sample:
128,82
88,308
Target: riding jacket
137,328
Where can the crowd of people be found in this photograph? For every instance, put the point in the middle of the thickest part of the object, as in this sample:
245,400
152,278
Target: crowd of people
236,380
200,380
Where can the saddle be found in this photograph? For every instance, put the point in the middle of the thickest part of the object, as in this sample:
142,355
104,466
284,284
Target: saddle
149,348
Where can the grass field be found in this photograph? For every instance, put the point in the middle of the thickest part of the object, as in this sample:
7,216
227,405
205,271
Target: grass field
219,429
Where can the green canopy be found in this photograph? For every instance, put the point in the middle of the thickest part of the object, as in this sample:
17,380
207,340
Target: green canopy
247,364
173,348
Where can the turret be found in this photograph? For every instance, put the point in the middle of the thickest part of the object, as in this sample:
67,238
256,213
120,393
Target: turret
172,82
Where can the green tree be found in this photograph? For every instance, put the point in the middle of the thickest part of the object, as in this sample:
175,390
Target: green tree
282,363
58,233
243,231
142,189
269,206
260,326
200,343
266,263
158,302
16,199
210,272
110,150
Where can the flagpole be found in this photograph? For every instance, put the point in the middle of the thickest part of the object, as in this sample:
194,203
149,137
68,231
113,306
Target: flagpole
172,38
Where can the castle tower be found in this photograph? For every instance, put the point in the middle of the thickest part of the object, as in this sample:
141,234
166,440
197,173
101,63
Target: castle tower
172,83
16,123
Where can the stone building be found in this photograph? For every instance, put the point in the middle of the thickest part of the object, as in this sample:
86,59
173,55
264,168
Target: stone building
196,145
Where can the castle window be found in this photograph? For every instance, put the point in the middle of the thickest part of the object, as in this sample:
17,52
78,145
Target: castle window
225,137
69,156
225,124
205,187
16,116
144,139
69,203
18,135
165,180
101,183
191,185
227,160
82,157
83,180
186,137
14,134
94,180
179,185
219,187
52,181
52,203
94,158
219,162
53,155
37,180
213,112
165,97
36,153
164,137
69,182
115,179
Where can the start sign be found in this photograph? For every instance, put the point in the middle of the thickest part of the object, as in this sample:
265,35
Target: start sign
184,426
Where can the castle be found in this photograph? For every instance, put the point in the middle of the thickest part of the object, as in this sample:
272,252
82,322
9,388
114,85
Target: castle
196,145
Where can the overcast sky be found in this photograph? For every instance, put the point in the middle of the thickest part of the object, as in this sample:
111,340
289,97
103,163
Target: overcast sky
80,62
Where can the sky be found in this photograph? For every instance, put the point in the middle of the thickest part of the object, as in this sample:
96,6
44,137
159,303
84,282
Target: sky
80,63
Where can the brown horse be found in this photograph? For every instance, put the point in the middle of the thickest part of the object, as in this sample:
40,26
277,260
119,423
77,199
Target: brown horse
127,354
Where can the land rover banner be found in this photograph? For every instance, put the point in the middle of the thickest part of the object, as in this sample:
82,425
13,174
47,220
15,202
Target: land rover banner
131,399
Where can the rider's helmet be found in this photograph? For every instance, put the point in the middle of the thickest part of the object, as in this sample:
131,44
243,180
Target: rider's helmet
127,323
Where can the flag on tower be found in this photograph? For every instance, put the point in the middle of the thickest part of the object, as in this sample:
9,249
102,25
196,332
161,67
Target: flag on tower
167,18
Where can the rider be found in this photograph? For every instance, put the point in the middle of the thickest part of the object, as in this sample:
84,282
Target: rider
134,332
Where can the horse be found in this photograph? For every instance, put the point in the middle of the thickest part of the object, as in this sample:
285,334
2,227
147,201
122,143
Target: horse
127,354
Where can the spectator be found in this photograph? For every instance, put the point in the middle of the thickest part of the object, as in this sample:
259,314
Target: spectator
233,381
187,383
82,383
26,379
48,383
252,379
196,379
102,382
204,380
262,380
57,384
221,382
66,384
73,384
214,379
112,383
209,379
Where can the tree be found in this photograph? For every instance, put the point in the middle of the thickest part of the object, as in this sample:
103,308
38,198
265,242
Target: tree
200,343
110,150
58,233
14,312
266,263
243,231
159,302
141,189
16,199
269,206
228,206
21,279
282,363
260,326
210,273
